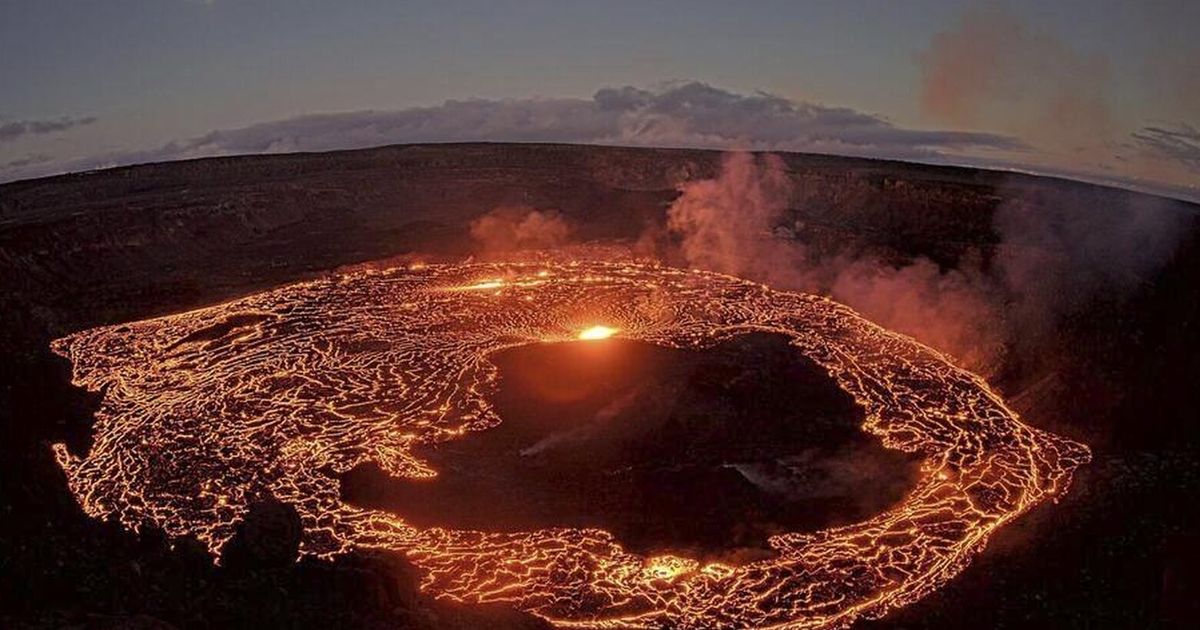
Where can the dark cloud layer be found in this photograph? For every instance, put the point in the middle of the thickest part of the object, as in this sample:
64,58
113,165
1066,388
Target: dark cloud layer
1181,144
13,130
677,115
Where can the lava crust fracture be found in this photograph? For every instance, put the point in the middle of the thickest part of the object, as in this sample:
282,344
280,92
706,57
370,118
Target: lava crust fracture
279,392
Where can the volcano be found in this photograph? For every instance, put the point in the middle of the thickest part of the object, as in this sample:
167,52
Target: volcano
223,323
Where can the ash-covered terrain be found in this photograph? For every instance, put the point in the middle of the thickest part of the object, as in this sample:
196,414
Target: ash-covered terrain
1107,356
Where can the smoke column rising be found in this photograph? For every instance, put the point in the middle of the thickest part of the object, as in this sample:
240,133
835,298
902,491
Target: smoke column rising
1053,256
511,228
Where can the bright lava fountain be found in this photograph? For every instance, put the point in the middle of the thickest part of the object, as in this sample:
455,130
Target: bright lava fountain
207,411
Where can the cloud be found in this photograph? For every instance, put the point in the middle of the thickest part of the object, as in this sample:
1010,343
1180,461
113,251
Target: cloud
992,67
1181,144
14,130
688,114
36,158
676,115
696,114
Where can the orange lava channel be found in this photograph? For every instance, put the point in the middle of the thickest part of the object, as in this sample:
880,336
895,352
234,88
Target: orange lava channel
278,392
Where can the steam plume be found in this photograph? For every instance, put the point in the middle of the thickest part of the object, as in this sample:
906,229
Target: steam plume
992,66
511,228
1053,256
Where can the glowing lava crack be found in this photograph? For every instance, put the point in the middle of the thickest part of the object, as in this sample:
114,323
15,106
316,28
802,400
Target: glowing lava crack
206,411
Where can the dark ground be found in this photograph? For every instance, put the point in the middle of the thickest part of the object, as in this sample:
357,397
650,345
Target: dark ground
1121,550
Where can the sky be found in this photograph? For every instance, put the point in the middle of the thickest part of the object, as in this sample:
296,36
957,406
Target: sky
1098,89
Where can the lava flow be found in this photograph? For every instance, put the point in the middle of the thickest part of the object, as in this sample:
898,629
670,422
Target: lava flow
205,412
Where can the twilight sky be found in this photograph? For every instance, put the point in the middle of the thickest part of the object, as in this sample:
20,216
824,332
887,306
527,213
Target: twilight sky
1094,89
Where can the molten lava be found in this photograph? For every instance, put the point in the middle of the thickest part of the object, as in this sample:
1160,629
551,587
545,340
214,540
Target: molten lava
278,393
597,332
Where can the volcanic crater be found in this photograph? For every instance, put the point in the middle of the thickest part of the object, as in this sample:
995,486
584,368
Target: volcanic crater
706,452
